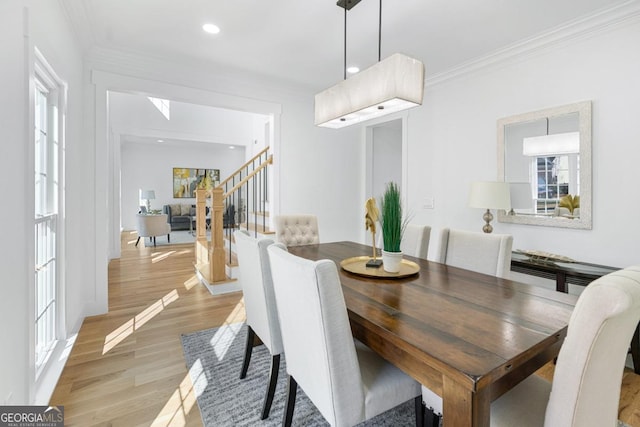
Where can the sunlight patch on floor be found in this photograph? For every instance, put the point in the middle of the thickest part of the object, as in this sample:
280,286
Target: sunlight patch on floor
154,309
174,413
135,323
200,383
159,256
224,336
134,236
191,282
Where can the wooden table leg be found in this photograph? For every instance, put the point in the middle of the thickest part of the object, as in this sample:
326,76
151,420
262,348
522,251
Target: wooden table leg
462,407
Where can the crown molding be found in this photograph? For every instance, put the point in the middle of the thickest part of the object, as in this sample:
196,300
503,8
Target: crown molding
578,29
187,72
78,16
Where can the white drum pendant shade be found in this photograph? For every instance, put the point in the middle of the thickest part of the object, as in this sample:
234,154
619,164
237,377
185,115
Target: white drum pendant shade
549,145
394,84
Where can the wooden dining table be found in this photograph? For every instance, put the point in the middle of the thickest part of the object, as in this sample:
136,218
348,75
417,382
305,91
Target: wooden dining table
469,337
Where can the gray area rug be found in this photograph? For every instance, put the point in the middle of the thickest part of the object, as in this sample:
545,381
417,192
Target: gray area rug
214,358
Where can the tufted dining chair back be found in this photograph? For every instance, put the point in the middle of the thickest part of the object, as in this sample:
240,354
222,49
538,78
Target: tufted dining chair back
296,230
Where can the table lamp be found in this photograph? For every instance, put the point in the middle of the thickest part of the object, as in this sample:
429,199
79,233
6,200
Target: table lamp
520,196
148,195
489,195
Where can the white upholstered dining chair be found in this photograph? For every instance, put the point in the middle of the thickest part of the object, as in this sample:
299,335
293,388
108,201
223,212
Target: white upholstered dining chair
480,252
588,374
415,241
260,306
344,379
152,226
296,230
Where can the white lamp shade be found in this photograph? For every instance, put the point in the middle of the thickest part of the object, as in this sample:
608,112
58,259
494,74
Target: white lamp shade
548,145
521,196
490,195
148,195
394,84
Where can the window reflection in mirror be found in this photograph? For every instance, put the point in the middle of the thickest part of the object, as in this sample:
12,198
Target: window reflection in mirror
546,156
545,153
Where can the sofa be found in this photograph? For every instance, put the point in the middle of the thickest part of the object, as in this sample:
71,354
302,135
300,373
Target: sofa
179,215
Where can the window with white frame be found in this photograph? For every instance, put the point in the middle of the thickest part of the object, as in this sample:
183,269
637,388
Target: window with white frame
47,161
557,176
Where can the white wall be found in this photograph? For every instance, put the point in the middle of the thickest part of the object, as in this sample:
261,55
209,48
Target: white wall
453,140
26,24
136,115
149,166
387,158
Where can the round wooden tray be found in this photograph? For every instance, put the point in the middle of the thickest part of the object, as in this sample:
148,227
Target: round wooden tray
357,265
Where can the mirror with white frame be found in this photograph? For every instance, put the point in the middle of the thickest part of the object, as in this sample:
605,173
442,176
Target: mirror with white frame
546,157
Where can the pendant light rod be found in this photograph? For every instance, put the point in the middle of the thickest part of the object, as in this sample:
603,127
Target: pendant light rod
344,70
380,31
347,4
391,85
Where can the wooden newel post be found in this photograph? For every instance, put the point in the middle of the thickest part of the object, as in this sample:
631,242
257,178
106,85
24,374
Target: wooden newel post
201,213
217,255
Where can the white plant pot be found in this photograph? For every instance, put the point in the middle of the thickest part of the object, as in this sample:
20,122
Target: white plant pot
391,261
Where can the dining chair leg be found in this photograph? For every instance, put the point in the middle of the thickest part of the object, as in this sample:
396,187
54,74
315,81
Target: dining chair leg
271,390
137,241
419,411
169,238
429,417
247,352
292,389
635,350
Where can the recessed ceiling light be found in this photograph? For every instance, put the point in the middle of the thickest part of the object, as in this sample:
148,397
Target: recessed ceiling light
353,70
231,147
161,140
211,28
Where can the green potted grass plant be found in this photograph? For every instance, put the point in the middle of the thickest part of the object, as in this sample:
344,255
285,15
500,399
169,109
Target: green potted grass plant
393,226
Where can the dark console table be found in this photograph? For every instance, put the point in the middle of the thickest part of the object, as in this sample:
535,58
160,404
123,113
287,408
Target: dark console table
575,273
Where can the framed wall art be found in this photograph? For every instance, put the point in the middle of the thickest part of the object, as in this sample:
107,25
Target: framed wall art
186,181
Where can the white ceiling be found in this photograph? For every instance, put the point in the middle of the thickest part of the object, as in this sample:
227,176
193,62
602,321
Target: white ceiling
301,41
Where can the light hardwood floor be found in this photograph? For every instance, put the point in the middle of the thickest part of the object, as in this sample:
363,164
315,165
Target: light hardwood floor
127,367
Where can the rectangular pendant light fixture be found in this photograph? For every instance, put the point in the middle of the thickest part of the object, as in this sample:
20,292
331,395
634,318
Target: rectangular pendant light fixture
549,145
394,84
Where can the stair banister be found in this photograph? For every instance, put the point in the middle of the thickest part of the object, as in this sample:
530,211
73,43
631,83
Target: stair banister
213,252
